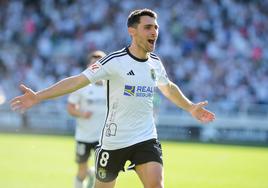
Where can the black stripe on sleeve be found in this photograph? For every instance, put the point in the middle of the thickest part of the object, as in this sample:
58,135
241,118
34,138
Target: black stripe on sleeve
114,53
155,58
152,55
113,56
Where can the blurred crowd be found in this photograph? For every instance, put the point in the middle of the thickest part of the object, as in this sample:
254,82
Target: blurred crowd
215,50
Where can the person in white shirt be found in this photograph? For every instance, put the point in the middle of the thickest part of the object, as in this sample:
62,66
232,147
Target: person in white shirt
88,105
129,132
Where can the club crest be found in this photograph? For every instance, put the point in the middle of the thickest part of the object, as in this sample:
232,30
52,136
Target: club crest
102,173
153,74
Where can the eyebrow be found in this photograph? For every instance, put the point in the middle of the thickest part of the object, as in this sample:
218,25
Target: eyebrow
153,25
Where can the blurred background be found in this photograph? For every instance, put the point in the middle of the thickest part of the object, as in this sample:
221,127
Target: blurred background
214,50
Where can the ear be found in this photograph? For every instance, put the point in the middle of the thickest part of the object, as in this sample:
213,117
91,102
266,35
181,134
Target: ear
131,31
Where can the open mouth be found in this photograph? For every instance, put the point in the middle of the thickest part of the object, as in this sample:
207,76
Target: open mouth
151,41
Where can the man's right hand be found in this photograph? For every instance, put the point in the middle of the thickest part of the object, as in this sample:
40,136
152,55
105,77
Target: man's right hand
25,101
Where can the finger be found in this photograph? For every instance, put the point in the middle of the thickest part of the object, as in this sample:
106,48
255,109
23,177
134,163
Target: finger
208,118
23,88
17,107
209,115
15,103
202,104
14,100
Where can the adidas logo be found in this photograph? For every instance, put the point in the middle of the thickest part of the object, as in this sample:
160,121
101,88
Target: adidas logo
131,73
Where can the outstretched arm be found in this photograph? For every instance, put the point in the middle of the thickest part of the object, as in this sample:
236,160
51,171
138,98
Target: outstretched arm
31,98
175,95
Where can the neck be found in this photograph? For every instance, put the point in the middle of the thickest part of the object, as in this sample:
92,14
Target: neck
138,52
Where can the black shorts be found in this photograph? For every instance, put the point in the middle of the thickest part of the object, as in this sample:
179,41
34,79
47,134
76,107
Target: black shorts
110,162
83,151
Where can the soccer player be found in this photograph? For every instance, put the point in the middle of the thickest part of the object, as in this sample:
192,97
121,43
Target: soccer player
88,106
129,132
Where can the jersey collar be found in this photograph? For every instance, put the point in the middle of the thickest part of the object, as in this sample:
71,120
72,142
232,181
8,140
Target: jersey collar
136,58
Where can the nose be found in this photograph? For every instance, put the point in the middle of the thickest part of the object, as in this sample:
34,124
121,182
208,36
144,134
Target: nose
154,32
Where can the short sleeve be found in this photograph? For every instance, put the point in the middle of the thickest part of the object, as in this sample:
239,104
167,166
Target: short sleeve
97,72
163,78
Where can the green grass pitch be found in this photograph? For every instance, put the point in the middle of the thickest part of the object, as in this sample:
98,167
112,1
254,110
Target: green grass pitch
42,161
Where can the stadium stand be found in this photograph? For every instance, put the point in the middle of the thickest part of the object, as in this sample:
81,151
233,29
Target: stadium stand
215,50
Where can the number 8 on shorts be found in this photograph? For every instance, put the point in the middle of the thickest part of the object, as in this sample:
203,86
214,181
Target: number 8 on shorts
104,159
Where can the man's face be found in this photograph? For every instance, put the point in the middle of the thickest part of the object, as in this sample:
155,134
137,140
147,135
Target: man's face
146,33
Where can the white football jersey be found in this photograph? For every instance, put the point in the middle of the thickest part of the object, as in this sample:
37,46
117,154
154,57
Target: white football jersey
130,89
91,98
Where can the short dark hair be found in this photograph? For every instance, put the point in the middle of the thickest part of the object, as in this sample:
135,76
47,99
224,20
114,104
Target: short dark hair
134,17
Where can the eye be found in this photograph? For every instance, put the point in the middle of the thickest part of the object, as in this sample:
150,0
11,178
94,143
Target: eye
147,27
